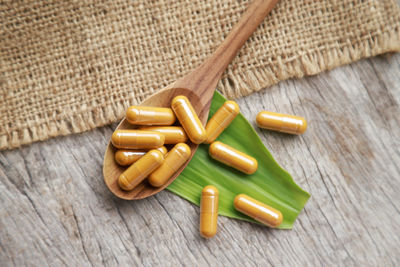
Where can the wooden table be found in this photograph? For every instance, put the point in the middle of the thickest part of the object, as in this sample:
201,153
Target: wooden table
56,210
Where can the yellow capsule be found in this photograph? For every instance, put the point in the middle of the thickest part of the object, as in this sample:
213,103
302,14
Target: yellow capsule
172,134
209,211
220,120
138,171
139,115
232,157
135,139
125,157
189,120
258,211
281,122
175,158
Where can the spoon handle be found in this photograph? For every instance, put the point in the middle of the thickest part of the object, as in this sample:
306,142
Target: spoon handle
204,78
248,23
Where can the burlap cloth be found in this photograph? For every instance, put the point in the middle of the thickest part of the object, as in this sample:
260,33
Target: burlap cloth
70,66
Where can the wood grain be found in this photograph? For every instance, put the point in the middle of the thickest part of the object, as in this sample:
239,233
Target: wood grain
56,210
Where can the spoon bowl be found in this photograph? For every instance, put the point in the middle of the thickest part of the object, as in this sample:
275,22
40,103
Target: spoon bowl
111,170
198,86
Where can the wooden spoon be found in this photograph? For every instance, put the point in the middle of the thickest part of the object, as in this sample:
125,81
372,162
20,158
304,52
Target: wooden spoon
198,86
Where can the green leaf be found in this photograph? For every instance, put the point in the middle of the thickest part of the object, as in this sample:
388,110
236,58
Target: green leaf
270,184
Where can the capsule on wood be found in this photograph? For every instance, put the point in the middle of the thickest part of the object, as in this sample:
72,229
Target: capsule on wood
258,211
126,157
136,139
221,120
281,122
189,119
138,171
233,157
172,134
209,211
139,115
175,158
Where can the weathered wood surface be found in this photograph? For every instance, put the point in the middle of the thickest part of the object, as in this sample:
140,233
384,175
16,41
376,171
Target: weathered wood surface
56,210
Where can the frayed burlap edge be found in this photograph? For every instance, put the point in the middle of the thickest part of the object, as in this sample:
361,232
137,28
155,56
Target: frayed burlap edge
231,85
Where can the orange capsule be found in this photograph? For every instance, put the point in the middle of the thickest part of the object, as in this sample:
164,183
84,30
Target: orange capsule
138,171
135,139
232,157
139,115
221,120
125,157
209,211
281,122
189,119
172,134
258,210
175,158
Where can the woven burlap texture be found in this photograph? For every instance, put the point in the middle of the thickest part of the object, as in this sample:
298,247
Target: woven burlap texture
70,66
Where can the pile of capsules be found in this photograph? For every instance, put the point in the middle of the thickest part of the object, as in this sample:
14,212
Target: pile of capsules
158,165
